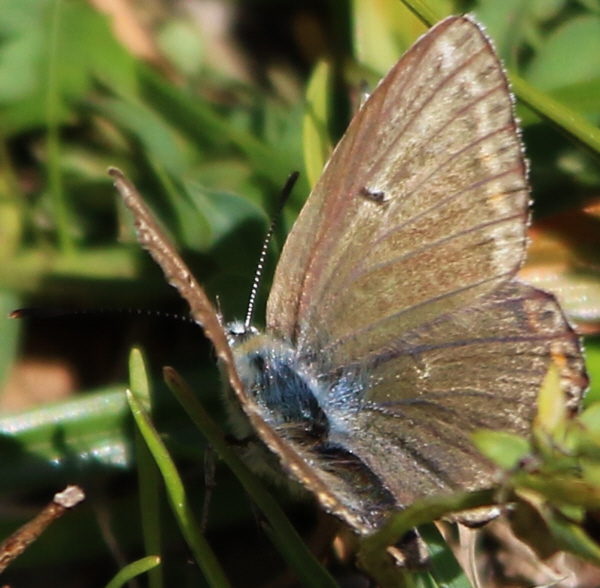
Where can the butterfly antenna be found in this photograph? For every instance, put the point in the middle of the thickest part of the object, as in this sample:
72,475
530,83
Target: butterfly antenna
283,198
25,313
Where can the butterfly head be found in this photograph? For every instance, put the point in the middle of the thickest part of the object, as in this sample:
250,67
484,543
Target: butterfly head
239,332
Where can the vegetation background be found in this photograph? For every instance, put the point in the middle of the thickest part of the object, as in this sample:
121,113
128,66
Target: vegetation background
208,105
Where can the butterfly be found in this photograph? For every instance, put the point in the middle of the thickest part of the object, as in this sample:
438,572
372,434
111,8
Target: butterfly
395,325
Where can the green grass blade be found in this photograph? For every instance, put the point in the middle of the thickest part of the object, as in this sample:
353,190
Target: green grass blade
200,548
423,10
445,569
53,137
148,473
134,569
569,122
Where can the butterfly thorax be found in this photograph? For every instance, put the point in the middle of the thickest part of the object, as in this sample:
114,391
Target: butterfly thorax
302,409
284,390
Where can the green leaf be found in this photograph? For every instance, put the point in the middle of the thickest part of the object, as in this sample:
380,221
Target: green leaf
445,572
583,434
590,419
570,536
551,406
570,55
373,554
84,49
158,139
504,449
230,219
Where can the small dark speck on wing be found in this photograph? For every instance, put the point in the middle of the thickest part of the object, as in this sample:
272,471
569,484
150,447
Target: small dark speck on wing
376,196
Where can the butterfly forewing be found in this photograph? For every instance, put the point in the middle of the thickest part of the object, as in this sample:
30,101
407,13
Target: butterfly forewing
420,210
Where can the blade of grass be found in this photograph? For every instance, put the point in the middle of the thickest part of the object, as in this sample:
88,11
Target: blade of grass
11,330
423,10
148,474
53,142
89,425
567,121
134,569
445,569
200,548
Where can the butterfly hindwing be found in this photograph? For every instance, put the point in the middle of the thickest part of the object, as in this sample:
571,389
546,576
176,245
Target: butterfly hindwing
480,368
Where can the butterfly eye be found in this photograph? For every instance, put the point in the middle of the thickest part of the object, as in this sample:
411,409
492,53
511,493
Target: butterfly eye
238,332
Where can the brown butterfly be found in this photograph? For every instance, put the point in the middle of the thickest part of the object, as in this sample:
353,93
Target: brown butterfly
395,324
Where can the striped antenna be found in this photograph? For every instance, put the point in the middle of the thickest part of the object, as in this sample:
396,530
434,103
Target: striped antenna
45,313
285,194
